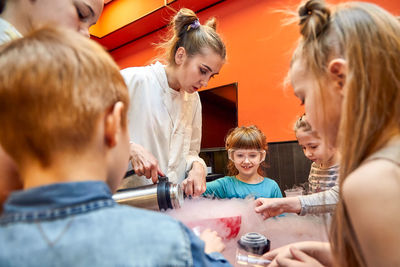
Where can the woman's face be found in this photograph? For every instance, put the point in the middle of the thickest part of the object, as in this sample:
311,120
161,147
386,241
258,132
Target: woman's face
75,14
194,72
323,109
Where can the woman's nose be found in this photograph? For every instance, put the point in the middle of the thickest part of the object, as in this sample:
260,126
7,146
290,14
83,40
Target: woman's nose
204,83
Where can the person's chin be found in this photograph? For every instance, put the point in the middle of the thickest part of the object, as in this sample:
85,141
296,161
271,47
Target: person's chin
193,89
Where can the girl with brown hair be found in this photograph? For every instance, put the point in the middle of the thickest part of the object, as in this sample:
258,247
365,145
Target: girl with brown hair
347,60
247,148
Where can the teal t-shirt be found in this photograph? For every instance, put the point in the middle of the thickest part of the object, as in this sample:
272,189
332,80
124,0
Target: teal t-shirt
230,187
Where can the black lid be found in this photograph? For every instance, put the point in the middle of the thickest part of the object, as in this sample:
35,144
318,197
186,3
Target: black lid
255,243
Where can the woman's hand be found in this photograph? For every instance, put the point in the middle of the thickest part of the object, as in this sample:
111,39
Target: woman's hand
144,163
195,183
271,207
307,253
213,243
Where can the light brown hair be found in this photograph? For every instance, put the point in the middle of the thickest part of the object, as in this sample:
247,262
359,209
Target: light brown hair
184,34
302,124
54,86
246,137
368,38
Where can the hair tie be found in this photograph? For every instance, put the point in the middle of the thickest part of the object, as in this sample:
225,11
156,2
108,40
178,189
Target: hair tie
194,25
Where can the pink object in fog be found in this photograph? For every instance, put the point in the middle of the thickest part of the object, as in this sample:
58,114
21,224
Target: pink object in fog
226,227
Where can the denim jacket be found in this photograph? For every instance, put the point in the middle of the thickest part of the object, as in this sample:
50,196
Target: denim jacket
78,224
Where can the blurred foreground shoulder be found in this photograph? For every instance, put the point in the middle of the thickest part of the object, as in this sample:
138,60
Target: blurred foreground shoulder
372,194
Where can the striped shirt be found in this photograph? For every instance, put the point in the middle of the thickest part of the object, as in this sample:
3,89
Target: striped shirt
322,179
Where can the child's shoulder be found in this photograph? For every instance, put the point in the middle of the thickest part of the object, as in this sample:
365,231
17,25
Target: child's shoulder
269,180
373,176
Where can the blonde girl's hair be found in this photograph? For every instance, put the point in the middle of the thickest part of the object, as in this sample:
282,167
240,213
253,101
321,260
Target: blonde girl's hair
302,124
368,38
186,31
246,137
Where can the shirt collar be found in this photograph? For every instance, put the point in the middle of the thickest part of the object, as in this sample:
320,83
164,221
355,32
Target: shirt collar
56,196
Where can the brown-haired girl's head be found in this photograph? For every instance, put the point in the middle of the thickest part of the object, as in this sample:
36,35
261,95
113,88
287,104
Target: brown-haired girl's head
246,137
187,32
302,124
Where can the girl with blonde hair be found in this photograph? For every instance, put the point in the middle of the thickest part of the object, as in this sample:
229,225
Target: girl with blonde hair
347,59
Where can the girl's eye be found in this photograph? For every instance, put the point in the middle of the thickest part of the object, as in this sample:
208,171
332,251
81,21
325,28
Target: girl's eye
202,71
314,147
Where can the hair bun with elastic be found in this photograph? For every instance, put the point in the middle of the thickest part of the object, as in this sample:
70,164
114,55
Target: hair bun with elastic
314,19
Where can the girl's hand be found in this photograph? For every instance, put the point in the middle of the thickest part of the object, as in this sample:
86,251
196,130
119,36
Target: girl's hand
299,259
195,183
271,207
316,253
213,243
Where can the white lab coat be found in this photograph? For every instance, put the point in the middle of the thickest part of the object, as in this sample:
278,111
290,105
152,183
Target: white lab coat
165,122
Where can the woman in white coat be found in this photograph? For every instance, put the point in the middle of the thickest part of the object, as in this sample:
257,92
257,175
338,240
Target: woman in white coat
165,111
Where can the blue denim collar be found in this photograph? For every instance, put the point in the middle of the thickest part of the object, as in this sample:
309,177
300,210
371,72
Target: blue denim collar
56,201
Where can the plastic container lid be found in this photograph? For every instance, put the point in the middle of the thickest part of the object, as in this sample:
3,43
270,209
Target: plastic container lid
254,243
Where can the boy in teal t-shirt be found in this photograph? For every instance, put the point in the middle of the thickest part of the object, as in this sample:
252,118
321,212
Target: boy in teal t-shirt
246,148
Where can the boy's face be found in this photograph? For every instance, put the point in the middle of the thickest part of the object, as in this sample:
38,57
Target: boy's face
314,148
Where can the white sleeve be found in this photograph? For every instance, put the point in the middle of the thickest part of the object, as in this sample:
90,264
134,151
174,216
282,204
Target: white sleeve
195,141
320,202
130,79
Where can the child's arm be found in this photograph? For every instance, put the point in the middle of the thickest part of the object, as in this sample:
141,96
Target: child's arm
372,194
271,207
216,188
205,252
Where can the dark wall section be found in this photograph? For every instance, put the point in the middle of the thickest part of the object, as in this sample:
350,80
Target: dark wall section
219,111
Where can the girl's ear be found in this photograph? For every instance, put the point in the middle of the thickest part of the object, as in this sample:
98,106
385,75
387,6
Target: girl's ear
112,123
337,70
180,56
264,154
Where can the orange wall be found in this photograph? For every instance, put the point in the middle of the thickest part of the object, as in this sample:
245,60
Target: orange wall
259,50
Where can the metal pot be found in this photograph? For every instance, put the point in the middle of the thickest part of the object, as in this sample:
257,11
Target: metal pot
161,196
